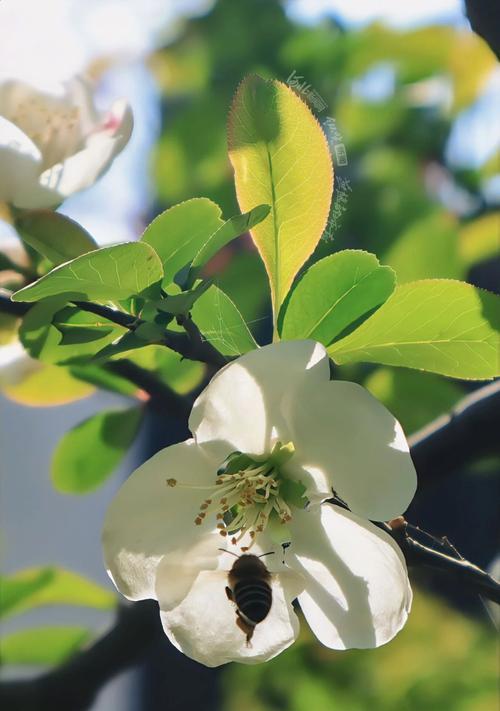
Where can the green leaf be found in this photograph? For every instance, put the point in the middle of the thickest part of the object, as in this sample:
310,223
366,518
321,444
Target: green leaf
108,273
55,236
44,646
232,228
35,587
428,249
280,157
180,232
334,293
221,323
57,335
183,302
88,454
440,325
103,378
413,397
128,342
181,374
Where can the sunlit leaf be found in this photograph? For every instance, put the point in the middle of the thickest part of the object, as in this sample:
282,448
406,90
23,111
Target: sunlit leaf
232,228
181,231
35,587
334,293
221,323
55,236
87,454
43,646
439,325
280,157
116,272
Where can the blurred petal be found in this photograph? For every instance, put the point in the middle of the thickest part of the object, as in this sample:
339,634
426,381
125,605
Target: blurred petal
55,144
342,432
15,364
20,161
149,519
241,406
357,590
203,626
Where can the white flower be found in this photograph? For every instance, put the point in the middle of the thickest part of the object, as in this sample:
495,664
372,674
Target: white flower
301,435
52,146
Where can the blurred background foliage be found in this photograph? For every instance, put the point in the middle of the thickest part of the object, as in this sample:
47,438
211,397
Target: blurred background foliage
398,98
439,661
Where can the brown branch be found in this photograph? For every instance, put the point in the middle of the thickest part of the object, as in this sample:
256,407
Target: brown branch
192,348
190,345
448,560
458,438
162,397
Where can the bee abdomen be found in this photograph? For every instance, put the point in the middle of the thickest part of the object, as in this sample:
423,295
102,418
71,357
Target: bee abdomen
253,599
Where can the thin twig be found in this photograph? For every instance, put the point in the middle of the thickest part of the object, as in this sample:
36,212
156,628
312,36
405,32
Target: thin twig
463,571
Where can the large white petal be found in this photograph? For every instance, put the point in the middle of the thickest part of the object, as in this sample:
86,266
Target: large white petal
203,626
148,520
241,405
341,430
20,161
357,591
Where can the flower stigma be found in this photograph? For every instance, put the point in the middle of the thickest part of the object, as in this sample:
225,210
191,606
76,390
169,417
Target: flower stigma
249,493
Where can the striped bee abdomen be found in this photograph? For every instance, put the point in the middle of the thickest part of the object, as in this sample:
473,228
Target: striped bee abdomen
250,590
253,598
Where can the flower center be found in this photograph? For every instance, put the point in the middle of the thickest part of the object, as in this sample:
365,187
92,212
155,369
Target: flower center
248,493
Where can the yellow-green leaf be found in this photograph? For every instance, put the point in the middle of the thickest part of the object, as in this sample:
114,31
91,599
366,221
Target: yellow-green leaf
44,646
439,325
34,587
280,157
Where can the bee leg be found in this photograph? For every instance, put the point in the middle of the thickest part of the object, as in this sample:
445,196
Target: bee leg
229,594
245,627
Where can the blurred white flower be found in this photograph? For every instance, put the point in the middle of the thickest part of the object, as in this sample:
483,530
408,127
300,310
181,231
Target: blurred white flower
272,437
52,146
15,364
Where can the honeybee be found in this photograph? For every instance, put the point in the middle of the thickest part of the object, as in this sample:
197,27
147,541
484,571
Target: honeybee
250,590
